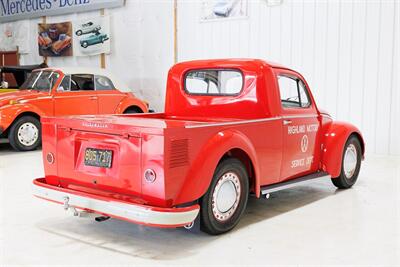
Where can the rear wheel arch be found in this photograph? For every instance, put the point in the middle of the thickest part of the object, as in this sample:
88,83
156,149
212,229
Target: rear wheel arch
243,157
216,149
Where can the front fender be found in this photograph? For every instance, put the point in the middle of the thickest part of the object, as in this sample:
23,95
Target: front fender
335,139
129,102
9,113
202,169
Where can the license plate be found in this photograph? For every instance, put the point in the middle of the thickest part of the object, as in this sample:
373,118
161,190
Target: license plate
98,157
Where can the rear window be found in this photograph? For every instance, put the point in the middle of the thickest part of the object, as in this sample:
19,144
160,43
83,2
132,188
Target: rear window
213,82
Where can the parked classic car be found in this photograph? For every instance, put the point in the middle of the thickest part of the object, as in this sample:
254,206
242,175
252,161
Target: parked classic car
12,77
230,128
89,27
93,39
62,43
60,92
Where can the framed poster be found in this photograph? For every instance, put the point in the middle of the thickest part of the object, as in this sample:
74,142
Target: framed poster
55,39
223,9
92,36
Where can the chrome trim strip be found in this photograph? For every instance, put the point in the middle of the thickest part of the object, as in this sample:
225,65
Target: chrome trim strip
231,123
295,182
300,116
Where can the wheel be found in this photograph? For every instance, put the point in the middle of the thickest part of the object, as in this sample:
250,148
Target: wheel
25,134
85,44
225,201
351,163
133,110
79,32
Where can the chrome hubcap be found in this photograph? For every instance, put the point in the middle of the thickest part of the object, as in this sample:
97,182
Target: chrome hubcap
28,134
350,161
226,196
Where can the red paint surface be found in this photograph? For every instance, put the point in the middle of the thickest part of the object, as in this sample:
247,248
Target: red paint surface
158,141
56,103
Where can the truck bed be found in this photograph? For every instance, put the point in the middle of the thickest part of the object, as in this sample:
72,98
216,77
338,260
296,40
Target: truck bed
132,122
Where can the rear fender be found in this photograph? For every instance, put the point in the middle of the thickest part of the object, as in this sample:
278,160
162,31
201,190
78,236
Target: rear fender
131,102
202,169
334,141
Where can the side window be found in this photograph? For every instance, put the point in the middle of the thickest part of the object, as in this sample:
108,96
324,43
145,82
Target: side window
293,92
304,99
103,83
65,84
82,82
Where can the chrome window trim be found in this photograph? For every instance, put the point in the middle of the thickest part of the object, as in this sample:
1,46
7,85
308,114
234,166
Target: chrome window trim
250,121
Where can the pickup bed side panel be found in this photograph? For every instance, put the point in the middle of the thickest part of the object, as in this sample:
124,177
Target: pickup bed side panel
261,141
334,140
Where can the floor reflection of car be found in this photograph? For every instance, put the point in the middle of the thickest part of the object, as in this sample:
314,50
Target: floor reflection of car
60,92
89,27
12,77
93,39
223,8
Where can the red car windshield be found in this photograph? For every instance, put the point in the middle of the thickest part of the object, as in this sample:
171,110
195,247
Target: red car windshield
40,81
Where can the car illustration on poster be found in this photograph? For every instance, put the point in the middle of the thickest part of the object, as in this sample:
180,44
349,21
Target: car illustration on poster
87,28
55,39
93,39
231,128
224,7
61,92
63,42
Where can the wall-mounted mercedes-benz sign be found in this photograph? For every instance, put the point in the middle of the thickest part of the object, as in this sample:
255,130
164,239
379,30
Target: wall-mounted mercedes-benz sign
11,10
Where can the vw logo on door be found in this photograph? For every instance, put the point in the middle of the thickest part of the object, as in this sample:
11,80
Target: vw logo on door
304,143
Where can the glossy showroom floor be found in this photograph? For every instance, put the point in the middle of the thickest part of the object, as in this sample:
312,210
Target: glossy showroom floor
307,225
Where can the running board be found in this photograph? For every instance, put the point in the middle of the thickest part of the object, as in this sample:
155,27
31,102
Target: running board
295,182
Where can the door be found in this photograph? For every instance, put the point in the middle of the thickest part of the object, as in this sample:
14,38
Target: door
76,96
109,97
300,127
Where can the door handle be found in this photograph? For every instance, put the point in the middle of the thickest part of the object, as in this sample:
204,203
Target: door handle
287,122
93,98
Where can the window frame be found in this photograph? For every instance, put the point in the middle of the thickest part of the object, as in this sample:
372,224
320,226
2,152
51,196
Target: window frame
100,90
212,69
70,83
298,80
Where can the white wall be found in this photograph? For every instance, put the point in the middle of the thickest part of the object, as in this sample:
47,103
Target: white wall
142,46
347,50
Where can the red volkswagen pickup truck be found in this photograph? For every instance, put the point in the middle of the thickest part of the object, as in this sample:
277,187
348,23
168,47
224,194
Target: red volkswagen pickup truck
231,128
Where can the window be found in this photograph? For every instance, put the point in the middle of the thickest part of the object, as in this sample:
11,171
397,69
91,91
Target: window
214,82
103,83
41,81
65,85
82,82
293,92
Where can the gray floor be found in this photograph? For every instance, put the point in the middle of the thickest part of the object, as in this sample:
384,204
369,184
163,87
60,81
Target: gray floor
309,225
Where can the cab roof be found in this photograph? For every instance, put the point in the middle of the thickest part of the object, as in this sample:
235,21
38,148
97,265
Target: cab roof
230,62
